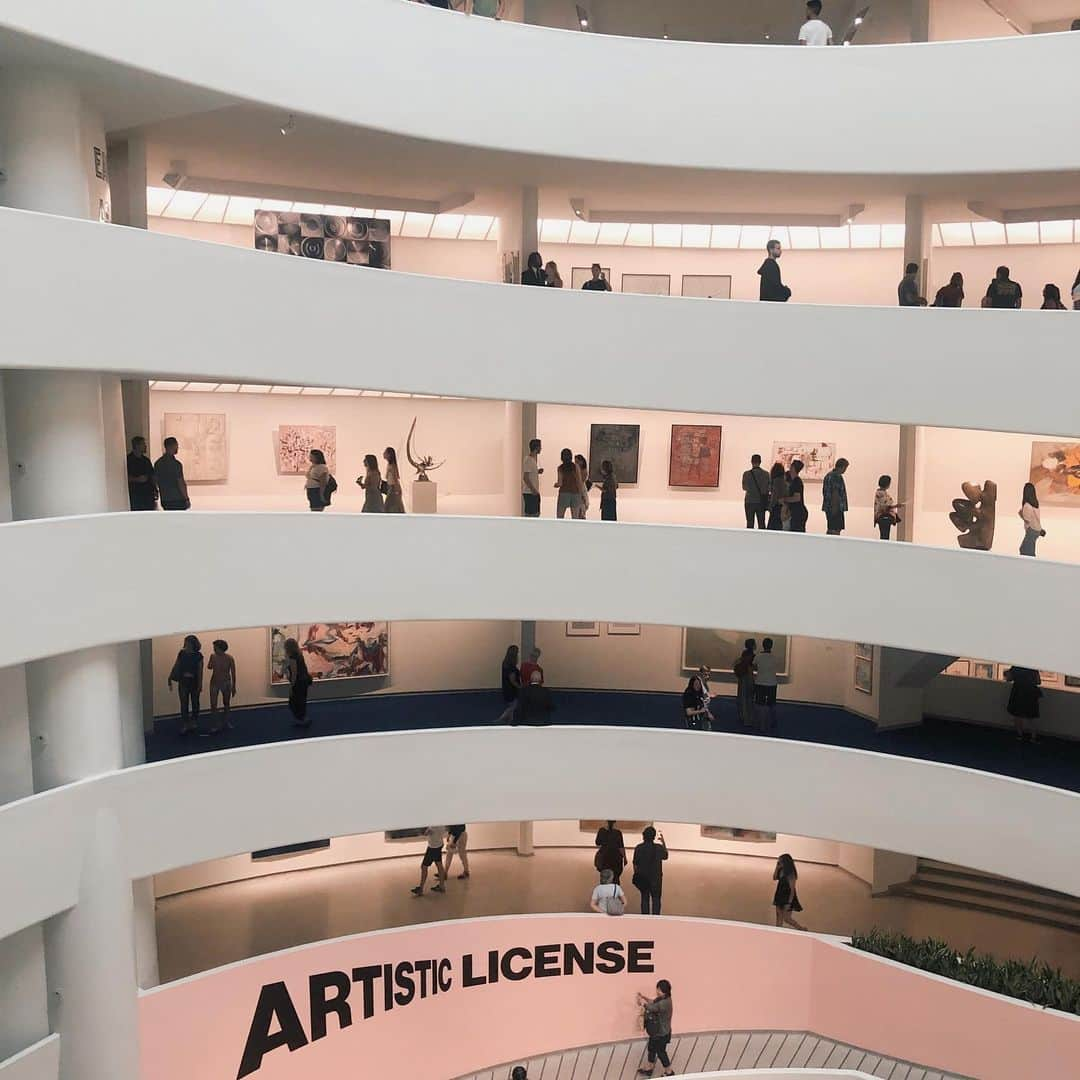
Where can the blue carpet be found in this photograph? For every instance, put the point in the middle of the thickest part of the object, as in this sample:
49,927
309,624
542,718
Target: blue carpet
1055,762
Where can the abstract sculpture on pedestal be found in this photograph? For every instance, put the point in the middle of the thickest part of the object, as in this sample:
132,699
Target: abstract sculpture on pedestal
974,515
422,465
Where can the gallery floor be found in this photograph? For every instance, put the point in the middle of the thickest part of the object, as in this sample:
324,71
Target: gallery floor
226,923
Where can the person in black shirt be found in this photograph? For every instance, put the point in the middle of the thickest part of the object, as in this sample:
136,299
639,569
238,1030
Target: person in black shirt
907,292
772,288
534,274
597,283
187,673
142,490
698,718
299,683
169,477
1002,292
511,684
796,499
534,705
649,859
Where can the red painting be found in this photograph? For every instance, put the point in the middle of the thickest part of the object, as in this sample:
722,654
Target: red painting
695,456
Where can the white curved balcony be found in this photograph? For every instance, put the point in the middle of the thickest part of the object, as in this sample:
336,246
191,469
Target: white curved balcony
234,569
662,100
949,368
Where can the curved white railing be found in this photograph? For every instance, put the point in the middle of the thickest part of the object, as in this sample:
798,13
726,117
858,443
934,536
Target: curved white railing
259,797
205,311
663,102
38,1062
242,569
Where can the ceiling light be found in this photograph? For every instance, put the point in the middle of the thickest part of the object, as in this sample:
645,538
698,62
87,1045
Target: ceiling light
289,126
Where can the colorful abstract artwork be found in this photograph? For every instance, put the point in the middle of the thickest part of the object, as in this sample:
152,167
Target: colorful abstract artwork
818,458
1055,472
293,443
349,650
695,456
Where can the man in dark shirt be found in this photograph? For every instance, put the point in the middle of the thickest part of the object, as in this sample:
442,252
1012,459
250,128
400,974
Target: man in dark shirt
169,474
534,704
142,491
796,499
755,485
597,283
1003,292
649,859
907,292
772,288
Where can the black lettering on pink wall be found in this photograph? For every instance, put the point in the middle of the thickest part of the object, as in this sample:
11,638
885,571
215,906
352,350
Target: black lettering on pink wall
274,1004
322,1005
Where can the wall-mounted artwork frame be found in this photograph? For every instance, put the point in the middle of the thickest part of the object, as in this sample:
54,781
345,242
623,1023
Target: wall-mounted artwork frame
405,836
864,675
623,629
746,836
581,628
718,650
962,668
587,825
333,651
618,443
707,286
1072,681
864,649
694,456
1050,678
983,669
204,447
293,443
580,274
647,284
818,458
354,241
1055,472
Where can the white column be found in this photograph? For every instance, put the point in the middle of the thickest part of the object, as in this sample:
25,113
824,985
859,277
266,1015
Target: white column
518,230
127,181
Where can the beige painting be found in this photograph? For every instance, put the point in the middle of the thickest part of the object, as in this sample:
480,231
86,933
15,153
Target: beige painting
203,450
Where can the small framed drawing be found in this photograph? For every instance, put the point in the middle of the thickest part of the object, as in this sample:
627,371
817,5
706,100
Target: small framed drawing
1072,680
727,832
1050,678
582,629
626,629
864,649
864,675
959,667
983,669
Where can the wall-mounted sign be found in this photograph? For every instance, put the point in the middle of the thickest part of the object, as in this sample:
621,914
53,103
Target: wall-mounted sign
101,164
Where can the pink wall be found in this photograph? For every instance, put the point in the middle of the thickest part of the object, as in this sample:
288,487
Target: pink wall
725,976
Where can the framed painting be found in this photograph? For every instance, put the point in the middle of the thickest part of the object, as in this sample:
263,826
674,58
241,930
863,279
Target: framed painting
864,675
290,849
817,458
1055,472
580,274
747,836
332,651
582,629
1072,681
983,669
959,667
864,649
624,629
694,460
1050,678
586,825
717,650
418,832
355,241
707,286
619,444
647,284
293,443
203,447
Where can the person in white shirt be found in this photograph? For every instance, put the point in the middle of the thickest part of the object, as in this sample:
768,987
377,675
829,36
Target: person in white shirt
765,684
530,481
1029,513
433,857
815,31
608,897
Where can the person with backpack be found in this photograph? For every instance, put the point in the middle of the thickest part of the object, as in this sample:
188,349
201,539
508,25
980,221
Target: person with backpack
299,682
315,481
1003,292
658,1012
608,897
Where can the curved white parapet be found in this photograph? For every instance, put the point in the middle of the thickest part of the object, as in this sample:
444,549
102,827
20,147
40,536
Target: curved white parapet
259,797
663,101
38,1062
235,569
940,367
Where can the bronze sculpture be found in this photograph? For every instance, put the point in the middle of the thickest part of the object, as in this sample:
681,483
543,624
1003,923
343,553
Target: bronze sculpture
426,463
974,515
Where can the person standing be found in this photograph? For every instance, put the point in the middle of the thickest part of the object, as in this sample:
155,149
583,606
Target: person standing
1003,292
766,683
815,31
951,295
1076,289
755,485
610,850
608,897
299,683
1029,512
693,703
657,1023
315,480
535,705
531,665
222,668
511,684
886,512
371,483
1052,298
907,292
534,273
786,898
834,497
772,287
169,476
457,843
744,670
609,486
597,283
649,859
530,480
705,675
1024,698
187,673
795,500
554,278
394,504
142,490
778,490
488,9
570,485
586,484
433,857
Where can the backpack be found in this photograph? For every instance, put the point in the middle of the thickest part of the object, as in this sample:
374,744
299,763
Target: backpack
615,904
328,491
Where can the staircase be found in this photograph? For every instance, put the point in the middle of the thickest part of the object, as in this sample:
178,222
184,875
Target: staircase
942,883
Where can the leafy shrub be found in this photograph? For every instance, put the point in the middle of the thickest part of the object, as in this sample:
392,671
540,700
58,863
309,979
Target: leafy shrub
1032,980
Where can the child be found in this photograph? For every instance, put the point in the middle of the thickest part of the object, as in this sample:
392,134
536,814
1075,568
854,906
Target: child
222,681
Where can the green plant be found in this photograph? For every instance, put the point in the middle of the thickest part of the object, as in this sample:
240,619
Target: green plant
1032,980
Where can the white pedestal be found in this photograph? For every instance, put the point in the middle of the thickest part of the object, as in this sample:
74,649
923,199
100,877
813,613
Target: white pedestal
425,497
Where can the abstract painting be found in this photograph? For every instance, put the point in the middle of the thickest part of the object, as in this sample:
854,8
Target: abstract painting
647,284
695,456
707,286
203,447
293,442
617,443
626,629
748,836
864,675
582,629
352,240
349,650
817,457
983,669
1055,472
718,650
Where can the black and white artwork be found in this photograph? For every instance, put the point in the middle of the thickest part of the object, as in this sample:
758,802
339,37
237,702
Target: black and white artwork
619,444
351,240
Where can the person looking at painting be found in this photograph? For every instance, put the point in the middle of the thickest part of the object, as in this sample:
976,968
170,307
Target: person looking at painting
608,488
511,684
1029,514
169,476
299,680
222,668
530,480
795,499
886,511
187,673
142,490
744,670
1023,699
649,859
755,485
571,486
394,503
610,850
586,483
834,497
772,288
315,480
534,273
371,482
766,684
778,489
597,283
1003,292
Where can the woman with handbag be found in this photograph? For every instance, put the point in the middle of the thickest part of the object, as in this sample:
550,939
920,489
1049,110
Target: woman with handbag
372,483
657,1023
886,511
786,898
1029,513
608,897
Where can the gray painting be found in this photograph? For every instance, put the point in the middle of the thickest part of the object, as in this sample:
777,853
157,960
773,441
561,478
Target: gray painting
719,649
617,443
